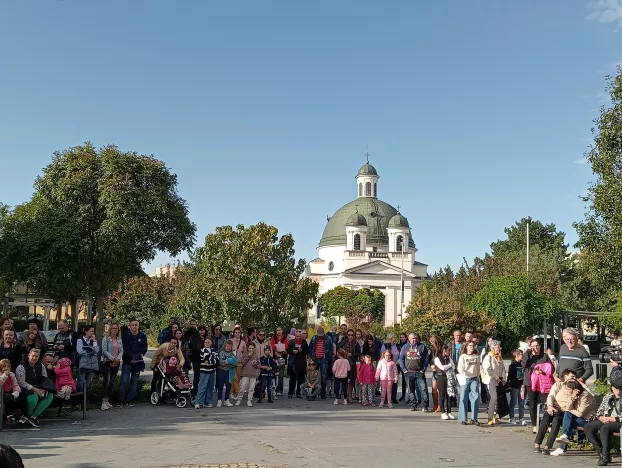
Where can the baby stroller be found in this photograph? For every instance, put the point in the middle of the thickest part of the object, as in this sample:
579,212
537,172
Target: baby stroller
169,389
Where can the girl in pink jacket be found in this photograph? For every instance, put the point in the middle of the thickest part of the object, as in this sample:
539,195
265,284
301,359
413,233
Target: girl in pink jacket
366,378
65,384
386,373
10,388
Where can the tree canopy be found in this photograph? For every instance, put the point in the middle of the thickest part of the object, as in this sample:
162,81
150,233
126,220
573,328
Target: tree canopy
358,307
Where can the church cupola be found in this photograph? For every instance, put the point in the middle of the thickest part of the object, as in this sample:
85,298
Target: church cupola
398,230
356,232
367,181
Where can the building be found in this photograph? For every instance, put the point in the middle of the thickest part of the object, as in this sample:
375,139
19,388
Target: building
368,243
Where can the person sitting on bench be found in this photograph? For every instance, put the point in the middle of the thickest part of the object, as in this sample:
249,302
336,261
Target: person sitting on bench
600,430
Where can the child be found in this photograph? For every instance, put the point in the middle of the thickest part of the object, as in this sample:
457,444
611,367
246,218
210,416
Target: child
10,388
366,377
65,384
341,368
311,387
249,374
209,361
386,374
516,376
267,366
173,370
225,372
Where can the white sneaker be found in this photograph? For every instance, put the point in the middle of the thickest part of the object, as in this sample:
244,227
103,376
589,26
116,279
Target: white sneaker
336,402
512,421
521,422
563,439
238,403
345,402
219,404
197,406
450,416
534,429
209,405
444,417
557,452
104,407
228,403
249,403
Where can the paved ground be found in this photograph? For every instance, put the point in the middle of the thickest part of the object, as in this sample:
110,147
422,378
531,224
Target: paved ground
288,433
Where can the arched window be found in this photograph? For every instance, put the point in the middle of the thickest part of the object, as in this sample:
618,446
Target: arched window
368,189
357,242
375,190
360,190
399,243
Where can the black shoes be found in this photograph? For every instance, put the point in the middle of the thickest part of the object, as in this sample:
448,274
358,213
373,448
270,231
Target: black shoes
34,422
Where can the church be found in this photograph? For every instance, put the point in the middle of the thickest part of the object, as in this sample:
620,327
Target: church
368,244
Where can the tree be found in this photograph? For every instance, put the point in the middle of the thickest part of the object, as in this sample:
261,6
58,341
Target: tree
5,276
121,208
516,306
250,277
600,233
359,308
337,302
544,236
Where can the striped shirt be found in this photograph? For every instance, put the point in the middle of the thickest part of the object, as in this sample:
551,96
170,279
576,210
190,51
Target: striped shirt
578,360
209,361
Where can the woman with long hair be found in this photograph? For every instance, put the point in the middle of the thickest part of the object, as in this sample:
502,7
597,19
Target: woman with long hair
436,347
279,344
112,351
469,369
446,381
494,375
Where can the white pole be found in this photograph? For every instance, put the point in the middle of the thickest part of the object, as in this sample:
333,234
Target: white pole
402,283
528,222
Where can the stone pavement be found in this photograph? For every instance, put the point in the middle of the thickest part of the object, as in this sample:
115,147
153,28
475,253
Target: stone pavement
288,433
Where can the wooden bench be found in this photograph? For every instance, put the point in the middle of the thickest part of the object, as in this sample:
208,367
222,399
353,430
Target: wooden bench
615,434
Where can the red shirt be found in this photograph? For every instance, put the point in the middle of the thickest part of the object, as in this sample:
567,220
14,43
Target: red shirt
319,347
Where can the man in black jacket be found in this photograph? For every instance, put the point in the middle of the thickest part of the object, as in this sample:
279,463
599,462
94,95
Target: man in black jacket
134,349
64,344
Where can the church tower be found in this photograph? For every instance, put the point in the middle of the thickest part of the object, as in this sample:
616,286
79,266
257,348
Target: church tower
367,181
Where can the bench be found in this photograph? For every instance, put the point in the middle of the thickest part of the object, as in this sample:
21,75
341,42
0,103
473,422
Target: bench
615,434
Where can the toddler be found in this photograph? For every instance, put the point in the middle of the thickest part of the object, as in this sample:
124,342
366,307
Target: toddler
386,374
341,368
311,387
172,370
367,380
10,388
65,384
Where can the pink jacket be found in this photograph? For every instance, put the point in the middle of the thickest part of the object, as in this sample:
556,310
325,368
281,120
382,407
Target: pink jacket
365,374
542,383
8,383
341,367
63,375
386,370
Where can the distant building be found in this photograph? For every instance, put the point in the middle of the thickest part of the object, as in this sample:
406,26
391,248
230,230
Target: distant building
367,243
167,271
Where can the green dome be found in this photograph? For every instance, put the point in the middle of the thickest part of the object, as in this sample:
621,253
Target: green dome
367,169
356,220
377,215
398,221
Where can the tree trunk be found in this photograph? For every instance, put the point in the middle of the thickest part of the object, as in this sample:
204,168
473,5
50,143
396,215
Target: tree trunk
99,311
73,309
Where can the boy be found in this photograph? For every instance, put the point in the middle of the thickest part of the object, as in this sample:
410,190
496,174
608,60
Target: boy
516,376
267,366
311,388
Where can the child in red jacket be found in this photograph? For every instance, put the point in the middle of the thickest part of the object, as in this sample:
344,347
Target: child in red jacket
367,378
65,383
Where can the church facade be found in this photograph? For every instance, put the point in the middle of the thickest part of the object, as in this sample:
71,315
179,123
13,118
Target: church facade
367,243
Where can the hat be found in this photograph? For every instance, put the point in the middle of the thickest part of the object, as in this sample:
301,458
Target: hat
319,331
173,361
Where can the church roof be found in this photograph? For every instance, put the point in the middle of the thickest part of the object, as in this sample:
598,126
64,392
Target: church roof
367,169
377,215
398,221
356,220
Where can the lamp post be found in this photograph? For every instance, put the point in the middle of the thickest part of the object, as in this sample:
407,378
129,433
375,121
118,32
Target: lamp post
402,283
528,219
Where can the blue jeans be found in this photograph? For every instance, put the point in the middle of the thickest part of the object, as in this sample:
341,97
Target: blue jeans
418,389
569,424
266,385
206,388
222,380
469,392
84,377
514,399
322,366
128,376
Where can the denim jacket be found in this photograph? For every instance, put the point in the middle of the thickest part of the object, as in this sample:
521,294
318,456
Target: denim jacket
328,347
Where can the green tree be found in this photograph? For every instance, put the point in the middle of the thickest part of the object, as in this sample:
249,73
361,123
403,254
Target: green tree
358,308
6,280
600,233
338,302
122,207
544,236
251,277
516,306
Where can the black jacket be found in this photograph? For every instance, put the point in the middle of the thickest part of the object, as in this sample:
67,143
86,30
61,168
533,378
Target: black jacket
299,360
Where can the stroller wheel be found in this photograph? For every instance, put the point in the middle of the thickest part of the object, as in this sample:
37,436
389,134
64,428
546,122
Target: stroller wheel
155,398
181,401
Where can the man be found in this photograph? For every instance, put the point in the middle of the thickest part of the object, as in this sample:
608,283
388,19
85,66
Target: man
167,333
414,362
321,351
34,324
251,335
134,349
468,337
192,331
455,346
343,335
64,342
574,356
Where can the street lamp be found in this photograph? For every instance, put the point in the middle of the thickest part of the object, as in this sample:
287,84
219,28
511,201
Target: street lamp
528,219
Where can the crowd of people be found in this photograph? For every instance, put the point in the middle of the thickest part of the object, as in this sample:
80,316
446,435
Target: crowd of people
345,365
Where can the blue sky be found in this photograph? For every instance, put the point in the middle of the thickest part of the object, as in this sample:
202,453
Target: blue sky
475,113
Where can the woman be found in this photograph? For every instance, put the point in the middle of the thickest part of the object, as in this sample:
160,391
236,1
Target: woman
469,368
7,324
600,430
392,345
403,341
218,339
494,375
280,346
184,346
436,347
31,376
196,343
532,358
372,349
9,349
165,350
298,350
112,350
446,381
353,354
88,349
32,340
358,338
239,349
